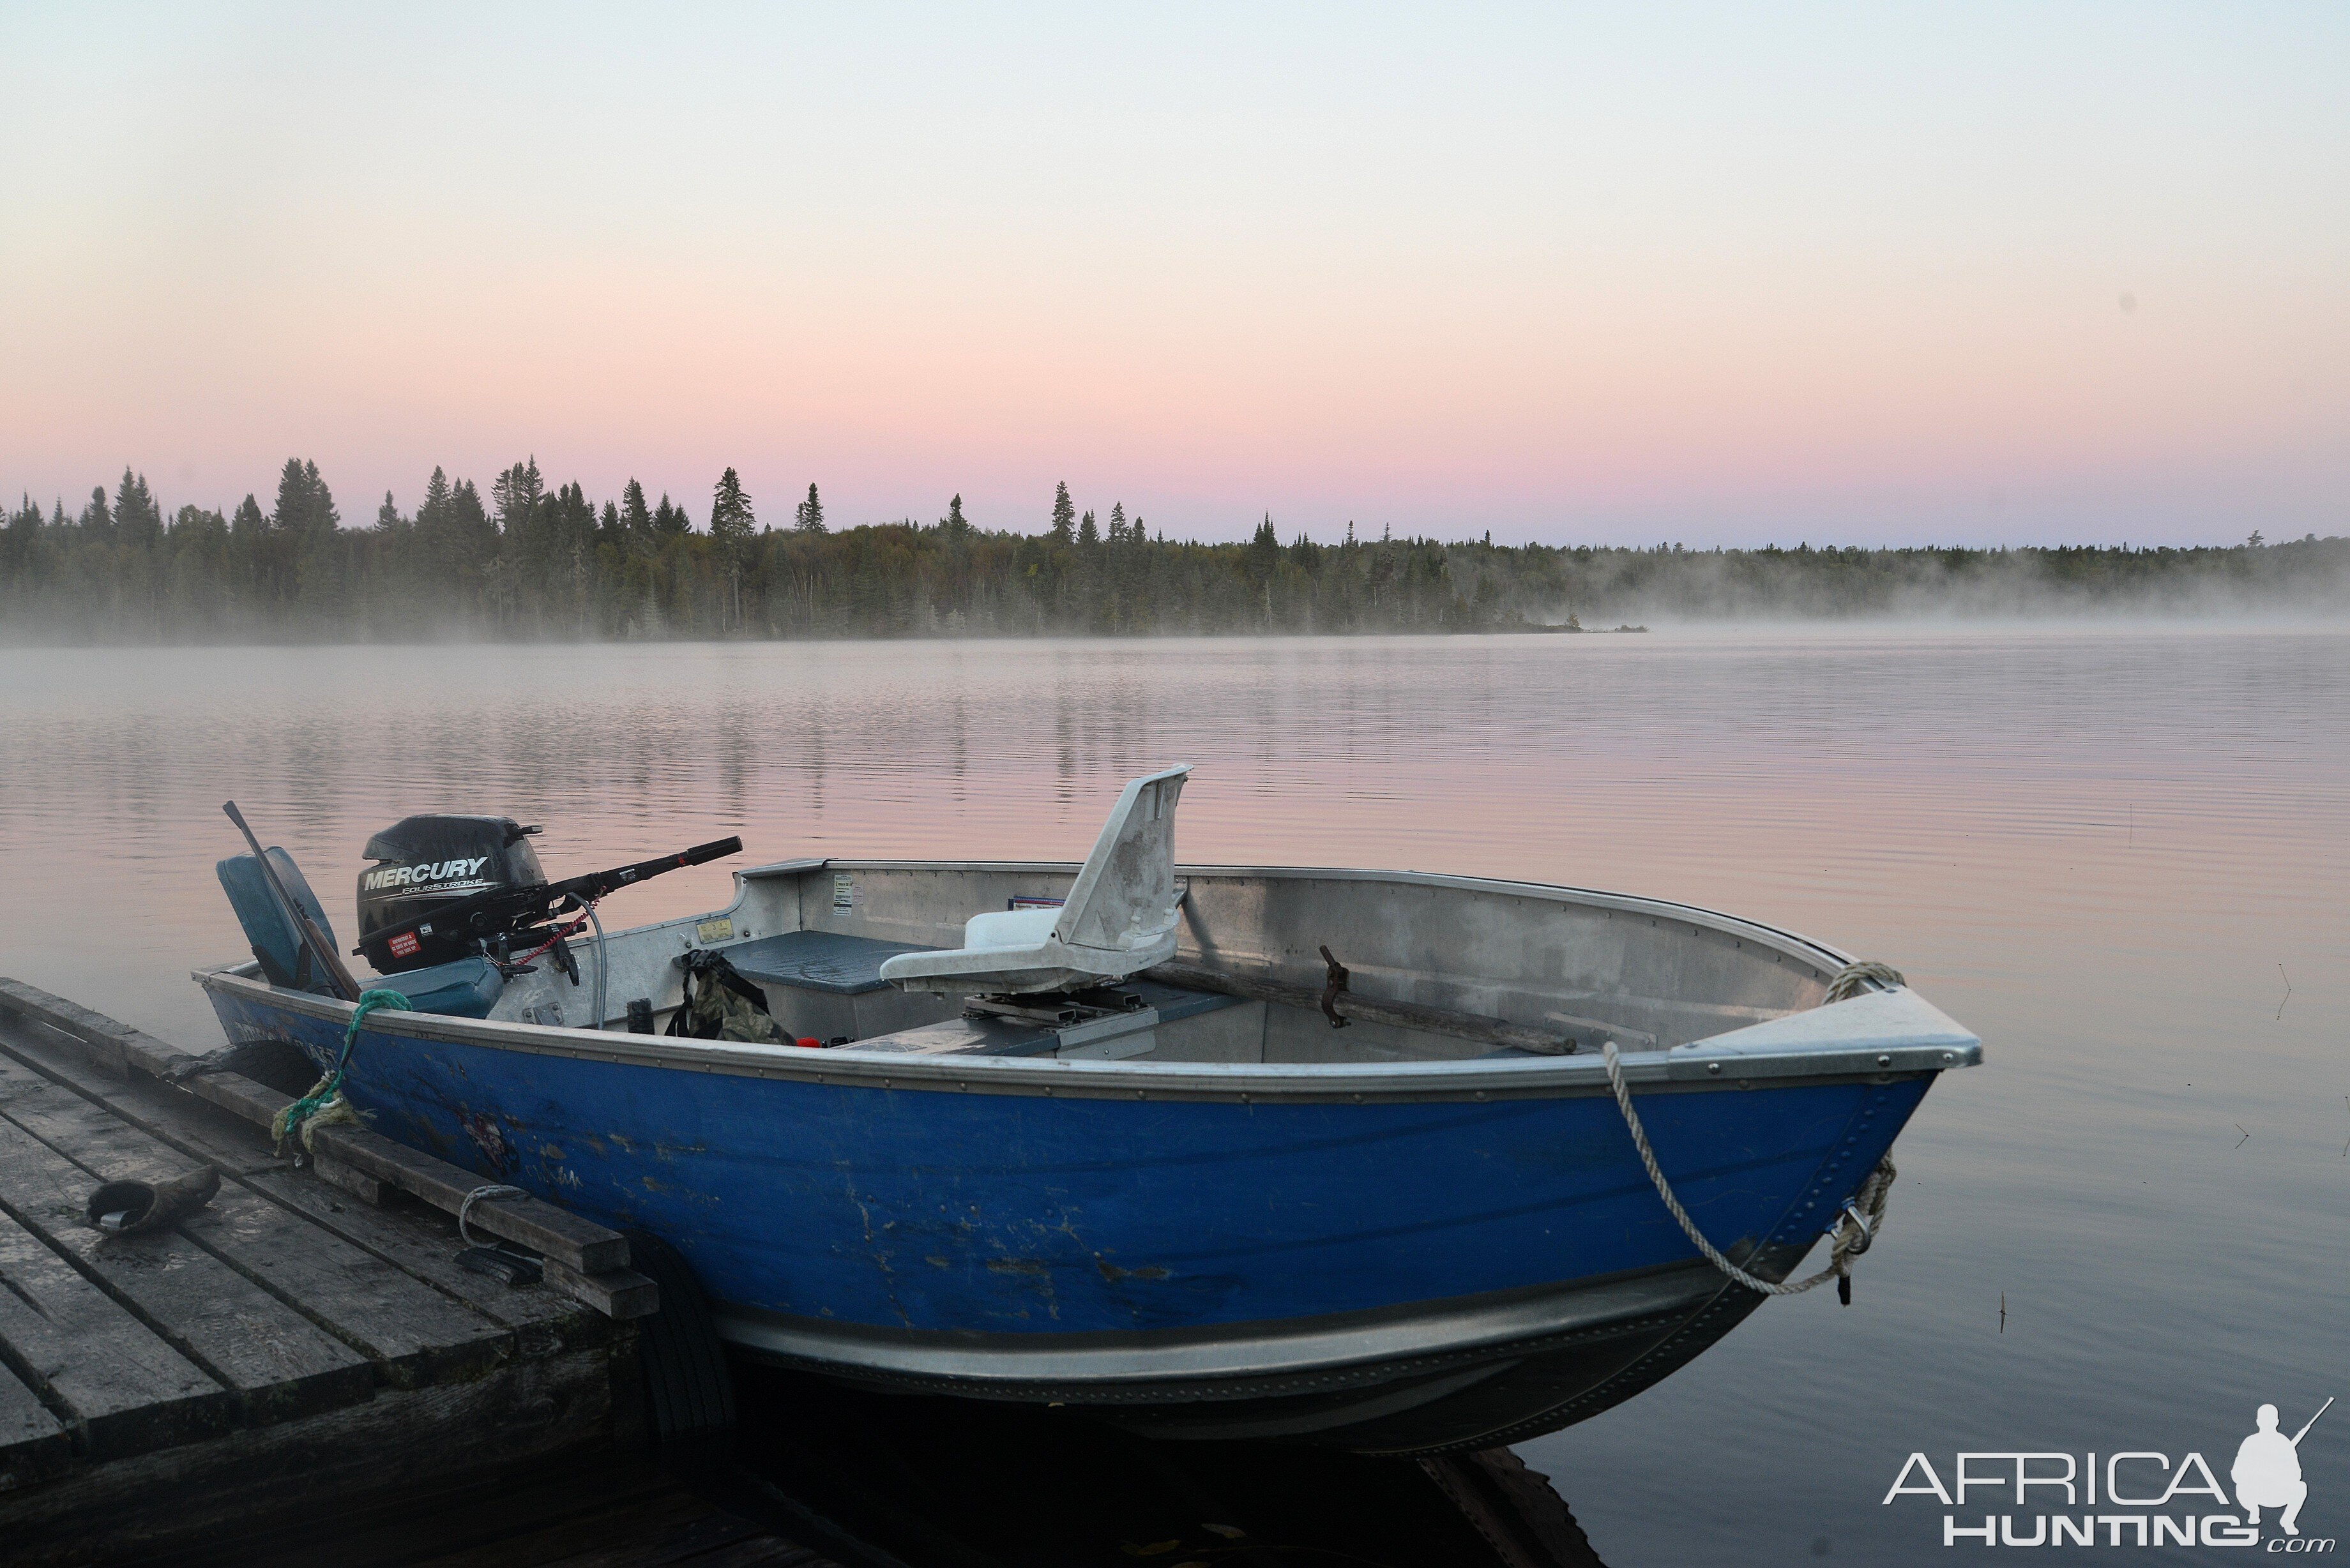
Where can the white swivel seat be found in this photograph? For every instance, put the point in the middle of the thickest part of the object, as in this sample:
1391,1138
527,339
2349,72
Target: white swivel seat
1118,918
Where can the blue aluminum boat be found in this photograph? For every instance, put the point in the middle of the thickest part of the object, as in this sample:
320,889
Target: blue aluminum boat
1216,1151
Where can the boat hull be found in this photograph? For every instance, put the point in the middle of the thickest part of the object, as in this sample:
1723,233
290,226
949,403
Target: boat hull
1401,1260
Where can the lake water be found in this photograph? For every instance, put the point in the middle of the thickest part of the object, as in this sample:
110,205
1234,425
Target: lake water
2120,854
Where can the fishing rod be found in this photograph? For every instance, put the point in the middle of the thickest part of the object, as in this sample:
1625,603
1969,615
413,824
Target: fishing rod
2312,1421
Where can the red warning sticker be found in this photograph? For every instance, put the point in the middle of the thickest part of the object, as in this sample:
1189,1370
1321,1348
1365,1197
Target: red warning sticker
404,945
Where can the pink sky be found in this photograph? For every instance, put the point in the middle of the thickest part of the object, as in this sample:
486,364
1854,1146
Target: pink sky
2016,275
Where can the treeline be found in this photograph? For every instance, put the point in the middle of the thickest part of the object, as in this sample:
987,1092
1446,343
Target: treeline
527,561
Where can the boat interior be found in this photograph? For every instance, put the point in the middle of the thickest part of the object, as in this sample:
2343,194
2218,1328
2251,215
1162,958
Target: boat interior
1127,956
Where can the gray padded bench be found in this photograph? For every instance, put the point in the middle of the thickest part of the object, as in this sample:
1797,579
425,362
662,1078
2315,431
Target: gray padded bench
828,984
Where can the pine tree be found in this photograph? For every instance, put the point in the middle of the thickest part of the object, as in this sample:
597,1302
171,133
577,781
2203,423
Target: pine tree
517,492
1264,550
1065,514
808,516
435,537
97,518
954,521
730,528
319,577
137,521
471,519
1117,522
1088,534
636,520
292,513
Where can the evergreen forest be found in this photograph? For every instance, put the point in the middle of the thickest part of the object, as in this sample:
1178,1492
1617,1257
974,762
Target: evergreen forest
527,560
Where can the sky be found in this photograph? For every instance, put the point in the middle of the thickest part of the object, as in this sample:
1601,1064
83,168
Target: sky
1991,274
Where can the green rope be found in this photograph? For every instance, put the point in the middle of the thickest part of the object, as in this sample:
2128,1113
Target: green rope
324,1103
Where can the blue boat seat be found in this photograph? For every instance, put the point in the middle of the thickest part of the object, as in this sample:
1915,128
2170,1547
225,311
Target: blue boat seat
275,940
468,988
465,988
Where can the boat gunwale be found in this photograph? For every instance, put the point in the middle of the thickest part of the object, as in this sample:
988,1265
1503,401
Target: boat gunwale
1470,1079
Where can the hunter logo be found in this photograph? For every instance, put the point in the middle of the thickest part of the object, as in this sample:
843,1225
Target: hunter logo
431,874
2154,1502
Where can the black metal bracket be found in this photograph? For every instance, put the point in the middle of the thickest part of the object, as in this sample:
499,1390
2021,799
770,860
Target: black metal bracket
1332,984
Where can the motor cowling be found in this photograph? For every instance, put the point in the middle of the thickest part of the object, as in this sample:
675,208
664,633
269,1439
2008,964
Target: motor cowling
426,863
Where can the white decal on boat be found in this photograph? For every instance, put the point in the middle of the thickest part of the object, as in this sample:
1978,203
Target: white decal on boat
434,871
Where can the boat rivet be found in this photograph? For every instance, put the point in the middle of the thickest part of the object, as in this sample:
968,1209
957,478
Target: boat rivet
1713,1066
1884,1061
1949,1057
1481,1094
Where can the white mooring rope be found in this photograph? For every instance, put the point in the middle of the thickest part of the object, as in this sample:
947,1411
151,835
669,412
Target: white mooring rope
1847,981
1855,1227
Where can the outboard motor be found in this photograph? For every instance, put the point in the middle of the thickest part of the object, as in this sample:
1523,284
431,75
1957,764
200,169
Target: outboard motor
428,863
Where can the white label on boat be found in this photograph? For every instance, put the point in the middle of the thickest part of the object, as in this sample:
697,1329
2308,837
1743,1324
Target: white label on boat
718,930
844,890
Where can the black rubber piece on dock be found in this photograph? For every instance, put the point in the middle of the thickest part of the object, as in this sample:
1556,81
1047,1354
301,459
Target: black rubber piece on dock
688,1389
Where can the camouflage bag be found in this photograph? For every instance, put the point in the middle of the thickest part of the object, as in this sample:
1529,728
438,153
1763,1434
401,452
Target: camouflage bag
720,1005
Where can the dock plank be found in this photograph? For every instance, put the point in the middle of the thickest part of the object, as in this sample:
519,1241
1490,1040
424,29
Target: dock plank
33,1447
124,1047
420,1245
580,1244
128,1391
225,1142
416,1336
424,1243
413,1334
281,1365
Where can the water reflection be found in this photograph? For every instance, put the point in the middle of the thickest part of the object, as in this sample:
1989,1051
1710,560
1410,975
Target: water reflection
948,1483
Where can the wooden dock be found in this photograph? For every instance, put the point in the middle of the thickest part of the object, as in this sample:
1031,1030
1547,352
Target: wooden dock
303,1344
